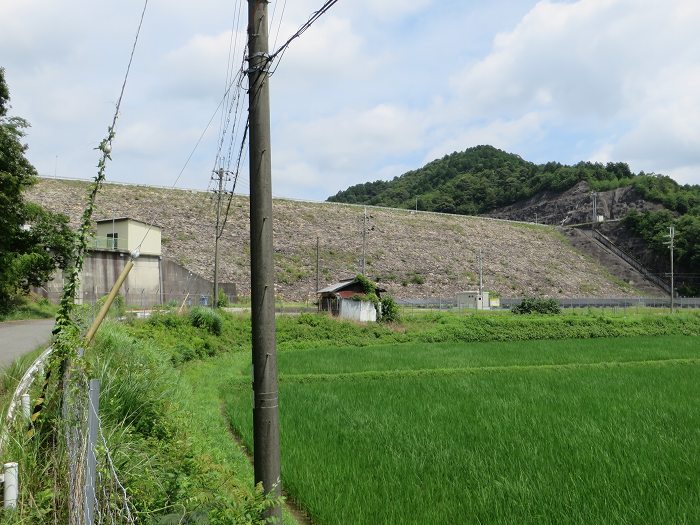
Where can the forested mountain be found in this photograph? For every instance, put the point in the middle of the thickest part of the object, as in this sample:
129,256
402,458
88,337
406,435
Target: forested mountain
482,179
479,180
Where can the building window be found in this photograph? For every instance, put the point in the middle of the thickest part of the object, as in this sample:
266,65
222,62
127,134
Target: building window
112,241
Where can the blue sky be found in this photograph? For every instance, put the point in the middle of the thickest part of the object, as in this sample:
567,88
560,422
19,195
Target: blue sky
370,91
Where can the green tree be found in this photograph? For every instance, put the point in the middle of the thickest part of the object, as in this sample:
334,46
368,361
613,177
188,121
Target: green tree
33,241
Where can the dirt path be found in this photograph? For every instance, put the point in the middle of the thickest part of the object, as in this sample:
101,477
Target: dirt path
19,337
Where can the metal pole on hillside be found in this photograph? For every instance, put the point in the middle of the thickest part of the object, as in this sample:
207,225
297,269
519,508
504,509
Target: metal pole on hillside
318,265
671,235
481,274
219,174
266,437
364,240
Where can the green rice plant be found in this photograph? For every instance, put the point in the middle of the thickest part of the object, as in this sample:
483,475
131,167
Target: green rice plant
506,434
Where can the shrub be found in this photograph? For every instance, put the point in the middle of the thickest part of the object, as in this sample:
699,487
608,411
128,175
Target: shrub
206,318
390,310
222,301
537,305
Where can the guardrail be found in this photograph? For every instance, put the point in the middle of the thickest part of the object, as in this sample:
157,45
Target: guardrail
23,386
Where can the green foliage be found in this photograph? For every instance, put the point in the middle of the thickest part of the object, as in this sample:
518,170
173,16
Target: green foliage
666,191
652,226
368,287
390,311
33,241
168,476
413,278
222,301
207,318
370,293
481,179
537,305
31,307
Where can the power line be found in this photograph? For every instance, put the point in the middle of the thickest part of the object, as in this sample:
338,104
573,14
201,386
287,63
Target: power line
279,25
312,19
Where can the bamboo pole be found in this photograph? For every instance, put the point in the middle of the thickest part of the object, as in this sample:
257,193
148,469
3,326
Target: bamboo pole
108,303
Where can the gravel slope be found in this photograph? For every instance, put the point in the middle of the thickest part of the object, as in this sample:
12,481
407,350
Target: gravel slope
411,254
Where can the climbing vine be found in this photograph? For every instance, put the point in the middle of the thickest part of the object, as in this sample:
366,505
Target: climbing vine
66,330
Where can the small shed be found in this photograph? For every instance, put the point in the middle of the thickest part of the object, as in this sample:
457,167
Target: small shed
126,234
473,300
337,299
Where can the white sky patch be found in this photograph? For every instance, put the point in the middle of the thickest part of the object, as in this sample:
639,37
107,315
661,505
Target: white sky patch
502,134
371,88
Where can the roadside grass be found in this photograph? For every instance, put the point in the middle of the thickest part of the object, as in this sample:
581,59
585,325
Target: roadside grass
31,308
166,457
156,445
549,437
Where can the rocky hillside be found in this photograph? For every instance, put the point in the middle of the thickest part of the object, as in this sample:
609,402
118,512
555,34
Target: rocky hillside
575,205
411,254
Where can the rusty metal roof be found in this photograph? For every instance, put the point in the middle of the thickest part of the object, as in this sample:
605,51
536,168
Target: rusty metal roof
333,288
337,286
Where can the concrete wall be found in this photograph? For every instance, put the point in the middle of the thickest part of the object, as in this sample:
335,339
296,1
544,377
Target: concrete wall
179,283
101,269
362,311
152,281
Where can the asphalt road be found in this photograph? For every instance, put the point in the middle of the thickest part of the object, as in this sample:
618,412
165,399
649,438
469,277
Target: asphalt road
19,337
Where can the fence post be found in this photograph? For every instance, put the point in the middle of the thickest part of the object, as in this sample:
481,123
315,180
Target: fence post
11,485
26,406
91,467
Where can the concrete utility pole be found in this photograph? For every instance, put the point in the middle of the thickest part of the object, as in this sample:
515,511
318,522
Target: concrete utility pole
217,234
671,235
481,274
266,434
595,207
364,240
318,265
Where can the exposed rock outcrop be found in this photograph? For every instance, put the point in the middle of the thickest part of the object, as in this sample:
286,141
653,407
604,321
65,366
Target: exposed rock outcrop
575,206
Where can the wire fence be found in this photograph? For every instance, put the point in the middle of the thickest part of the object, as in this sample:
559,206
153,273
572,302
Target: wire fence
451,303
97,496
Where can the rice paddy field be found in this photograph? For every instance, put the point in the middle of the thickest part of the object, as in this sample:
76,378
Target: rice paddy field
570,431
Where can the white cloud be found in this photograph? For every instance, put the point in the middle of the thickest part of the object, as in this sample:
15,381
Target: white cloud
503,134
623,70
371,90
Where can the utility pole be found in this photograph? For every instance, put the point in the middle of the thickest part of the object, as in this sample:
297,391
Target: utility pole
217,234
266,434
671,235
481,274
318,265
595,207
364,240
